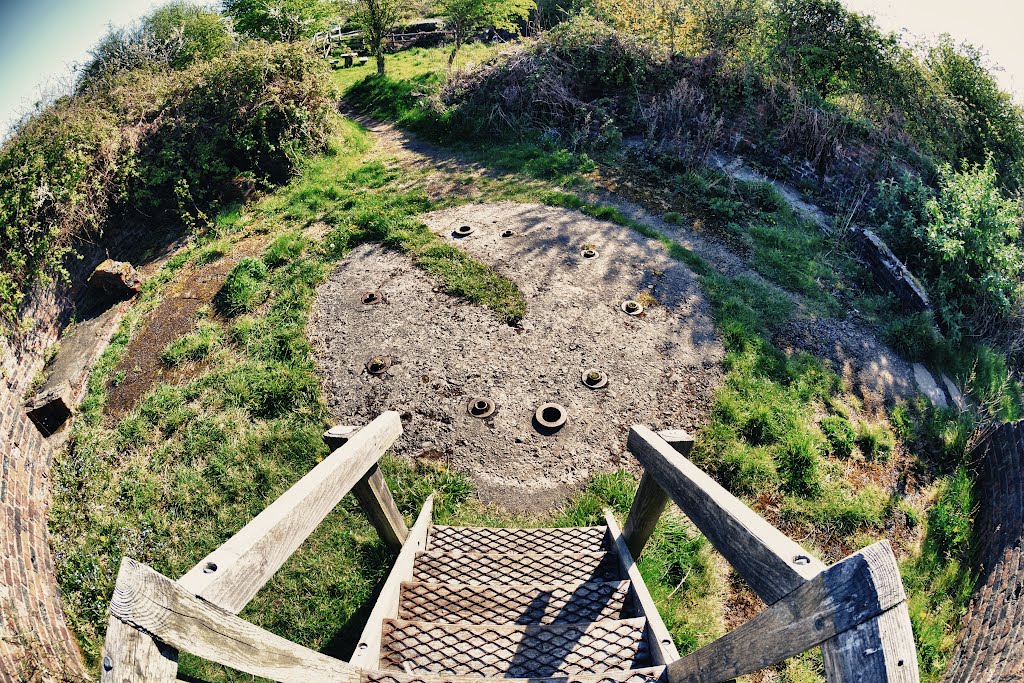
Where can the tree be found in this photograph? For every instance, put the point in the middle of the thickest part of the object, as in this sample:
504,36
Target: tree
377,18
466,17
280,20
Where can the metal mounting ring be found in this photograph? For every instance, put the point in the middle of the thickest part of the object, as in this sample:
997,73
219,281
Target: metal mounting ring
594,378
551,415
480,407
371,298
378,365
464,231
631,307
589,253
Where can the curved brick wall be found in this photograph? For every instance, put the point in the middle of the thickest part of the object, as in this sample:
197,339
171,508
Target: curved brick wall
991,647
35,643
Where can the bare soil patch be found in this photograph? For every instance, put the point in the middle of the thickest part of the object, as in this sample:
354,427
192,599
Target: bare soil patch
663,366
141,365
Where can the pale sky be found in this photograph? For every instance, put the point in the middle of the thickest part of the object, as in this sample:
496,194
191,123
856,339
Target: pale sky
993,25
42,40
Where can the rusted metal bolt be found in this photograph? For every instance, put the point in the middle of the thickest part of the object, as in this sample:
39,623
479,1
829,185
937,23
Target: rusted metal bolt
632,307
594,378
378,365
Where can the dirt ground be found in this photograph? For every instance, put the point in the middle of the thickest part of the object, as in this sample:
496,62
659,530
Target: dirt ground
663,366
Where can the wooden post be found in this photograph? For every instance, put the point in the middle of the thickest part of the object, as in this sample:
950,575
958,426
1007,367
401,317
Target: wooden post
147,601
651,500
367,652
373,495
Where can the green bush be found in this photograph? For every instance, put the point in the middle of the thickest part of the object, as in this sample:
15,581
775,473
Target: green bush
244,288
840,437
913,337
163,142
284,248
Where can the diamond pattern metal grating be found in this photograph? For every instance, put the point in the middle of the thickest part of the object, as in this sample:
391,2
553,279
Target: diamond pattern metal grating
484,540
512,604
650,675
522,568
514,651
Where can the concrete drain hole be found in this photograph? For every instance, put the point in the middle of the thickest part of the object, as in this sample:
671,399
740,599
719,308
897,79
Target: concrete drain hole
594,378
480,407
463,231
632,307
371,298
378,365
589,253
507,233
551,416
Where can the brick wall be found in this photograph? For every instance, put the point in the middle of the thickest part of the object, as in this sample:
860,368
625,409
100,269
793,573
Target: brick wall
991,647
35,643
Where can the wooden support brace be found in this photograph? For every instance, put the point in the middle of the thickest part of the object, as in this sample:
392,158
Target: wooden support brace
373,495
232,574
149,602
651,500
863,586
880,650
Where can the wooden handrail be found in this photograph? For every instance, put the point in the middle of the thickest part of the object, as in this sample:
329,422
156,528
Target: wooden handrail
149,602
232,574
880,649
851,592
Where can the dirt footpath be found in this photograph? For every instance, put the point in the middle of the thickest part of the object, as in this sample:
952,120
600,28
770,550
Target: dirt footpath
663,366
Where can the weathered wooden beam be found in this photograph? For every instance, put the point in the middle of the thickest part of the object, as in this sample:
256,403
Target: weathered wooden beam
660,642
881,650
863,586
375,499
232,574
367,653
772,563
650,499
150,602
373,495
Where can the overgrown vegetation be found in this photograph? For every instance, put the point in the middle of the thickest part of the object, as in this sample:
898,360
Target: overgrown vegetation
147,139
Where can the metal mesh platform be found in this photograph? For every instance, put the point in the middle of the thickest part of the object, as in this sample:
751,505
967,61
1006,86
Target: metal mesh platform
514,651
484,540
522,568
654,674
512,604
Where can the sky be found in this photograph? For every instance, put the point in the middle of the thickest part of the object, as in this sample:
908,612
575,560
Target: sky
994,25
42,40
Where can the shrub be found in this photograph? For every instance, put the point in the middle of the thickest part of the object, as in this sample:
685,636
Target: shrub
243,289
840,436
913,336
284,248
951,518
799,461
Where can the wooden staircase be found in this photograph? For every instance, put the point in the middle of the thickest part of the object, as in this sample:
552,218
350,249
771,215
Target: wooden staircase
555,605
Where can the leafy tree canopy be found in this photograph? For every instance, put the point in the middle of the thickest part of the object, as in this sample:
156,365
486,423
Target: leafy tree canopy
283,20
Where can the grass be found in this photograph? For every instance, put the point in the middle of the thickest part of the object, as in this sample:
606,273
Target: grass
193,462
